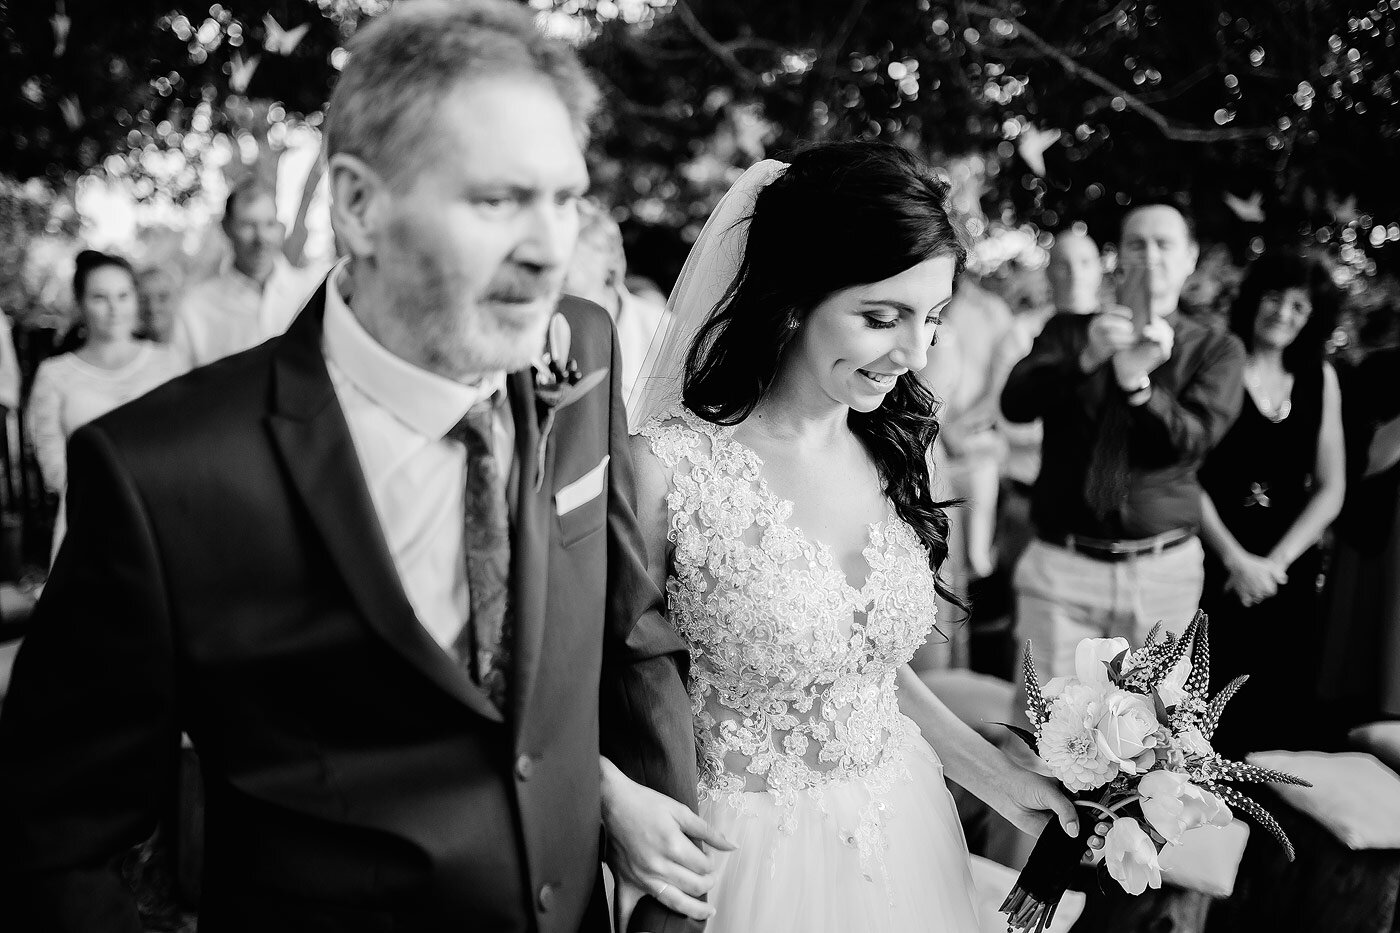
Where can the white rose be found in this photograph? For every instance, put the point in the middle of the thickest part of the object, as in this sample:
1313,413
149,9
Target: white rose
1131,856
1126,730
1193,743
1172,804
1091,656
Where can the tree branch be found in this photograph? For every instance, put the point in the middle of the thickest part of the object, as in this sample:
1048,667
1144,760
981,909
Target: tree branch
1153,97
715,47
847,26
1108,17
1168,127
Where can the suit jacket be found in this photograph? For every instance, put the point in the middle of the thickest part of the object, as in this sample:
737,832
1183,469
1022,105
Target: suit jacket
224,575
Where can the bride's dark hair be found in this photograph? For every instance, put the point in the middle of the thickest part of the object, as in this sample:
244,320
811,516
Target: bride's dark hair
842,214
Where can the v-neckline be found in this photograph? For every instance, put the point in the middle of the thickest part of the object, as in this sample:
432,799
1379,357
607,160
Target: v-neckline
783,506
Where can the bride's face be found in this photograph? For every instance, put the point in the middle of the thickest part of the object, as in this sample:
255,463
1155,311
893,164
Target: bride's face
859,340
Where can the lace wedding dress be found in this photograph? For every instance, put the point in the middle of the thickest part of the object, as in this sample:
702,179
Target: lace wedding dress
838,806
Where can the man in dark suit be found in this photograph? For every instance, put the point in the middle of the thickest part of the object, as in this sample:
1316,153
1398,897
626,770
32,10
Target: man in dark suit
382,570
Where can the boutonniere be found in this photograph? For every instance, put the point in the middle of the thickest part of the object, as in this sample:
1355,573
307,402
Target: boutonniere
558,383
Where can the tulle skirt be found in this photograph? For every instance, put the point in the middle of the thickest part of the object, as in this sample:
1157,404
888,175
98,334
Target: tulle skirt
816,879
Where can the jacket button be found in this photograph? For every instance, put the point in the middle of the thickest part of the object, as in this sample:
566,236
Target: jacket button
524,767
546,898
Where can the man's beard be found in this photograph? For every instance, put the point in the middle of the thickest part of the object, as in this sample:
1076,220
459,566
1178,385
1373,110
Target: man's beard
459,341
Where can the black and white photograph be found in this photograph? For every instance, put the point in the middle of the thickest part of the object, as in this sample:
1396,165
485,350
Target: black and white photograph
672,466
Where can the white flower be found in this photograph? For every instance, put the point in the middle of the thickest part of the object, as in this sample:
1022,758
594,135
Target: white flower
1131,856
1172,804
1172,689
1193,743
1090,659
1126,730
1090,668
1069,740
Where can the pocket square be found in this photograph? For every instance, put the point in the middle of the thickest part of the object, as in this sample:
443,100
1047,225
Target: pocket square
584,489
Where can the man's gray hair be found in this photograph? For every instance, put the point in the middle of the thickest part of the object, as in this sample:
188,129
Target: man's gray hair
404,63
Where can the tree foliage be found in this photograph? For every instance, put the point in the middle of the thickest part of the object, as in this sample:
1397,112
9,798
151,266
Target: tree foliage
1285,109
1272,119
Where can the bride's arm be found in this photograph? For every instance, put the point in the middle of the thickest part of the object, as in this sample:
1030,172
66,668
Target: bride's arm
1022,796
654,841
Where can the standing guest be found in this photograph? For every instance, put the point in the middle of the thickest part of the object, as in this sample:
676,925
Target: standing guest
1271,488
1075,274
1361,651
959,372
1130,412
598,273
387,577
109,368
159,291
253,299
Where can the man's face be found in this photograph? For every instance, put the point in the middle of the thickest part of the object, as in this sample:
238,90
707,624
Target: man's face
256,234
1075,273
159,292
474,246
1156,238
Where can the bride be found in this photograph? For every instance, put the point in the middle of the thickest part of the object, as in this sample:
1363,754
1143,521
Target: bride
783,488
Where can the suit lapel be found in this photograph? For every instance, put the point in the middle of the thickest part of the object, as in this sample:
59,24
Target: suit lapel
309,430
530,549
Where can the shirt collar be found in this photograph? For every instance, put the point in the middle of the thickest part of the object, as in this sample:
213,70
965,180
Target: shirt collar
280,267
428,403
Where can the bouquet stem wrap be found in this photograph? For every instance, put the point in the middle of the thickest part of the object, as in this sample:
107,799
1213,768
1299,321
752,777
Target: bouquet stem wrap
1031,904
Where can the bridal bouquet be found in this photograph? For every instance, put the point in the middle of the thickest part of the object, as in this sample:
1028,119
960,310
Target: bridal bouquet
1128,736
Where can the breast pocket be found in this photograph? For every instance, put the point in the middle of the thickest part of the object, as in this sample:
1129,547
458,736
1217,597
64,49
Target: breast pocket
581,506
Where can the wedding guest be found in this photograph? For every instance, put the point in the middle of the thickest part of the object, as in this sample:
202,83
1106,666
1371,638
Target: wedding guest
1270,489
159,291
1075,274
255,297
1361,645
1130,412
598,273
959,371
109,368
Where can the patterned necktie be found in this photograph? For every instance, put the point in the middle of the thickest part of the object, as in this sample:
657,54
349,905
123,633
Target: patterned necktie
483,646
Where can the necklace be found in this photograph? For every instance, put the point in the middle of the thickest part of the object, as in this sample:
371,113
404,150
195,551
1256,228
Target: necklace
1264,402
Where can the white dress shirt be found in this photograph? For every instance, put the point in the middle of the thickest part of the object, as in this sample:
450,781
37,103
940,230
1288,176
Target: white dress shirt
230,312
399,416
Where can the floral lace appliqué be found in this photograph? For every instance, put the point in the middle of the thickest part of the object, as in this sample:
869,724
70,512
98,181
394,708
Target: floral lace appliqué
792,668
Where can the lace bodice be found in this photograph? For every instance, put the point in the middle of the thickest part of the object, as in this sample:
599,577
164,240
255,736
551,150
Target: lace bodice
792,668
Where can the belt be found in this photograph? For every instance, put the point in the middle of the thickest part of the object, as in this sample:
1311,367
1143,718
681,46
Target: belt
1113,551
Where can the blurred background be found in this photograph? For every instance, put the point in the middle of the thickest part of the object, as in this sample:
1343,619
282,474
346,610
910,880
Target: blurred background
1274,124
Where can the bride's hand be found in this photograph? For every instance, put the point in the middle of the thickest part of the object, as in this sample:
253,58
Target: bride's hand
655,843
1029,800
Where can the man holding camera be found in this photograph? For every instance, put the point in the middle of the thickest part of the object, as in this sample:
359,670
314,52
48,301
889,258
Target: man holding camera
1132,399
